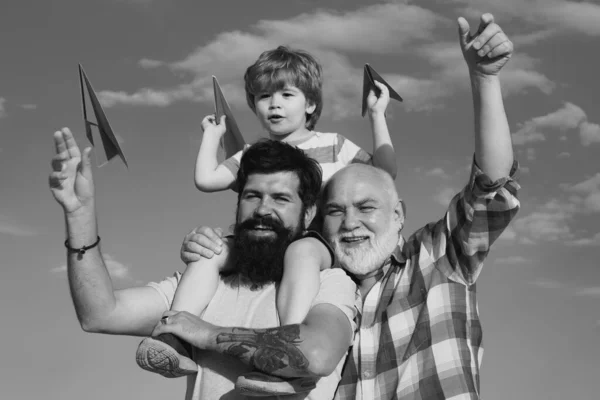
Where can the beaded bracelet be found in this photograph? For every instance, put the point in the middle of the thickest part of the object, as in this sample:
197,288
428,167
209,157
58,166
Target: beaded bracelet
82,250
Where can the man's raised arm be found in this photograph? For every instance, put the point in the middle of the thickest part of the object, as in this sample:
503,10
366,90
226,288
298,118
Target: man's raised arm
99,308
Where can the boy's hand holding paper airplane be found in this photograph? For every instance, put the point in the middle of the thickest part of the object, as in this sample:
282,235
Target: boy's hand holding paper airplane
210,126
377,104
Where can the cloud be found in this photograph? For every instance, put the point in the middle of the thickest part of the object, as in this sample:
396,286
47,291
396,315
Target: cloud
580,17
549,223
337,40
567,118
437,172
513,260
593,291
116,270
564,154
546,283
2,107
29,106
11,227
444,196
147,63
586,194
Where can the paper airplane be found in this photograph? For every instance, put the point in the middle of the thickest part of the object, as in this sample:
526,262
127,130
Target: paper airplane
369,78
232,141
107,136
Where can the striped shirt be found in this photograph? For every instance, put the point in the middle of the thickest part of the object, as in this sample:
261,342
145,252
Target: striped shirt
331,150
419,333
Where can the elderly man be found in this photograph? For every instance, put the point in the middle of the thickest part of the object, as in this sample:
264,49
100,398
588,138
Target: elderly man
419,333
239,331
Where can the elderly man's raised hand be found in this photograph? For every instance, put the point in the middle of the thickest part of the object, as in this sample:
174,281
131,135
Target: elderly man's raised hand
71,180
487,50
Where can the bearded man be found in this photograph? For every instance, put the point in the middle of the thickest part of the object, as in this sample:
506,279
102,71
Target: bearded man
239,331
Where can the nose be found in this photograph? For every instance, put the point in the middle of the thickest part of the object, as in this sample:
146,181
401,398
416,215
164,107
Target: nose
350,221
263,209
275,98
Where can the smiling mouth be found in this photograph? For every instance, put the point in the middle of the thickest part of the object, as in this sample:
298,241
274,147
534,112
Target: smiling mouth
354,239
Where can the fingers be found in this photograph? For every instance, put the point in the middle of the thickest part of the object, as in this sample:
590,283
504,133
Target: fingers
58,161
59,143
70,143
492,42
384,92
463,32
222,119
86,163
56,179
210,234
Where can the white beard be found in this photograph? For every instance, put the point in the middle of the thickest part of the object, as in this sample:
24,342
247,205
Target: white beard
366,259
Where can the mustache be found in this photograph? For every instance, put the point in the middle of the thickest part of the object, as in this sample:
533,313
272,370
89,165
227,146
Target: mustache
265,222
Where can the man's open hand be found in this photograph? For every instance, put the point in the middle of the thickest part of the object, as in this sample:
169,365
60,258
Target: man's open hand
71,180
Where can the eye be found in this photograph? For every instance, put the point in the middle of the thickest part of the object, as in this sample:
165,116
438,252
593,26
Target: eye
334,212
288,94
282,199
366,209
264,95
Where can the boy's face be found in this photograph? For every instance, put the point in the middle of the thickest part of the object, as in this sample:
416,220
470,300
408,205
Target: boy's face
283,112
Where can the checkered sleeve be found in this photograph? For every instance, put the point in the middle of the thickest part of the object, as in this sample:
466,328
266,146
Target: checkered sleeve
475,219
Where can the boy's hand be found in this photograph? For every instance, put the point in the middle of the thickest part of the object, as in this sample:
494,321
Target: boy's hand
71,180
378,105
202,242
210,126
486,51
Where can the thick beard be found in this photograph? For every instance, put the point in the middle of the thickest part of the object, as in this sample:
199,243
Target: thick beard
360,262
260,260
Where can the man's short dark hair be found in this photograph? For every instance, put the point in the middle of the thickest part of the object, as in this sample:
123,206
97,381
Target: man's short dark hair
272,156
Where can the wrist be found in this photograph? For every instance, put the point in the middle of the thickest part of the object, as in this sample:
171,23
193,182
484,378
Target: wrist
81,227
375,115
479,79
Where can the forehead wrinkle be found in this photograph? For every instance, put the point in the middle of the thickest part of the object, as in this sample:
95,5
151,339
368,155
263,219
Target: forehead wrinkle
353,174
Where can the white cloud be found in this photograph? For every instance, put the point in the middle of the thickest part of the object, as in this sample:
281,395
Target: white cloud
549,223
565,16
546,283
338,41
565,119
147,63
508,233
437,172
586,242
593,291
589,133
29,106
564,154
10,226
586,194
513,260
444,196
116,270
2,107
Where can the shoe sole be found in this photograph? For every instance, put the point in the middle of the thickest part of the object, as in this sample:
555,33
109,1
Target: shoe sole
158,357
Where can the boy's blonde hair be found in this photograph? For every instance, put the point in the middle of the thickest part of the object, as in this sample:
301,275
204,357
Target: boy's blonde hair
274,69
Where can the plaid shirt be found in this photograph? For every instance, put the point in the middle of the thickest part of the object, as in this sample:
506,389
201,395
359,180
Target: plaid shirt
419,333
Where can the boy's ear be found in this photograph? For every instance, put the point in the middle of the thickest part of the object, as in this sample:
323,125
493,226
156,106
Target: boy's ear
309,215
310,108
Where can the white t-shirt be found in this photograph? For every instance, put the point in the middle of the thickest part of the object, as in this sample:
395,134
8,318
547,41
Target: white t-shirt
237,305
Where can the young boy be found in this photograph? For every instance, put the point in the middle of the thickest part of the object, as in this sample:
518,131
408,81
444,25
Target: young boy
284,90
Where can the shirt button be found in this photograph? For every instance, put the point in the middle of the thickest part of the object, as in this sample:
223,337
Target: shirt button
367,374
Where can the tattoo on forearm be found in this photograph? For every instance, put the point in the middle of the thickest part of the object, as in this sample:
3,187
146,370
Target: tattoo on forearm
268,350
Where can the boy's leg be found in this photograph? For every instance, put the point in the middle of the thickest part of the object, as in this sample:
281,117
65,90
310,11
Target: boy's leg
257,384
166,355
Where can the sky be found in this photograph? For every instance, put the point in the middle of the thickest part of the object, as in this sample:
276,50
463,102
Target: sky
151,62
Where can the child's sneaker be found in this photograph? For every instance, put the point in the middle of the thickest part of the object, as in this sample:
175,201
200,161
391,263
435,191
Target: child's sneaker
166,355
257,384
